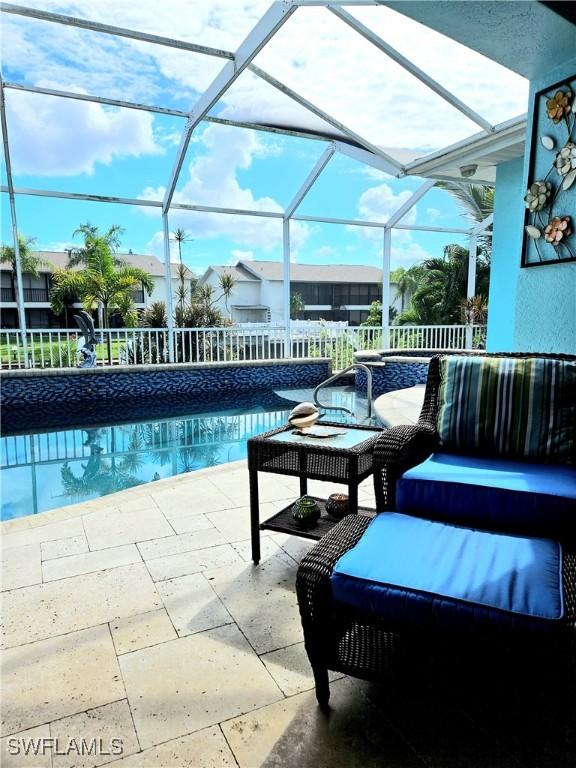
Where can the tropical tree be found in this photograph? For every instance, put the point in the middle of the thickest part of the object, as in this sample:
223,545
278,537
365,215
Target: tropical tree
442,288
477,203
296,305
407,282
30,261
181,236
227,284
94,240
101,282
200,312
374,318
438,286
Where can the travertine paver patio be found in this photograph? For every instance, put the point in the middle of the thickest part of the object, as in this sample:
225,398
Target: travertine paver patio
140,617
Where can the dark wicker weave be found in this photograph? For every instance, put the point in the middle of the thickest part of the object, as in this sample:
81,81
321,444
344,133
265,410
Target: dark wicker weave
341,639
320,461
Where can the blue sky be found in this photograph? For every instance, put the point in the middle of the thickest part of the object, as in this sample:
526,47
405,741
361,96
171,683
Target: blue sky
84,147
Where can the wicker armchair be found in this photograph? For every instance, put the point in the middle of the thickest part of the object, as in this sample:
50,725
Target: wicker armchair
361,643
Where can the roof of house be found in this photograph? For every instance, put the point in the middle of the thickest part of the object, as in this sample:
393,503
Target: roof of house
315,273
148,263
238,272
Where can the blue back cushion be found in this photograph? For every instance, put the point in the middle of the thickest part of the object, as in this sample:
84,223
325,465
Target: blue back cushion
492,493
414,571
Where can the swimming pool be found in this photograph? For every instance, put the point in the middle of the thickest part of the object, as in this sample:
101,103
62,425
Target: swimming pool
92,456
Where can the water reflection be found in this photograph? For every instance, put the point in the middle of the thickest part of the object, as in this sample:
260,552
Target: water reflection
44,470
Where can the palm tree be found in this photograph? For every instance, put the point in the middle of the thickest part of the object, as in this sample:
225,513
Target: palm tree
94,240
100,282
181,236
477,203
30,262
407,282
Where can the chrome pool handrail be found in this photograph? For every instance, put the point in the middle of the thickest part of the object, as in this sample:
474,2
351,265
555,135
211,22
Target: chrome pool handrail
338,375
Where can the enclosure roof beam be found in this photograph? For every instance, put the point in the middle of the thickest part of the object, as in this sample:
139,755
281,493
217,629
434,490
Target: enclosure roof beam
85,197
316,3
278,13
366,158
94,26
410,203
14,222
95,99
425,228
163,111
230,211
483,225
406,64
378,224
355,137
322,162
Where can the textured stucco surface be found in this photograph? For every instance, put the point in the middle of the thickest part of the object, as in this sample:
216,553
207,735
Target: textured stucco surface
533,309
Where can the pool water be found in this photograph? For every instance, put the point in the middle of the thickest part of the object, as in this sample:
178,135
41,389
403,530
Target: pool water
50,467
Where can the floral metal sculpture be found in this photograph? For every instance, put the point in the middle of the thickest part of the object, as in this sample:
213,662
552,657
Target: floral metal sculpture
548,225
559,105
557,229
538,195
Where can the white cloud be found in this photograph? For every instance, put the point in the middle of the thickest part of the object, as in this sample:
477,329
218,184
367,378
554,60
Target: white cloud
379,203
433,214
212,179
408,253
324,251
57,246
155,246
62,137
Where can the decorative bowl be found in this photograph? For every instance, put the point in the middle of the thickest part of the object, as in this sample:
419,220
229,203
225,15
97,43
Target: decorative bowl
303,415
305,512
337,505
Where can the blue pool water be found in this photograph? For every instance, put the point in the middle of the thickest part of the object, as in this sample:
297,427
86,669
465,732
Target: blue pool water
84,456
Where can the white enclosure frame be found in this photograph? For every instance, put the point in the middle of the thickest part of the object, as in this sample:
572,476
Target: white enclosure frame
346,142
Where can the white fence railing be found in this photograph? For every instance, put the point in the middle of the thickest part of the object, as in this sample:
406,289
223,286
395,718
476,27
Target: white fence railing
129,346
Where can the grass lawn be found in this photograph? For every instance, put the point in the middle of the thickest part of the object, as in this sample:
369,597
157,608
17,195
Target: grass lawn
50,354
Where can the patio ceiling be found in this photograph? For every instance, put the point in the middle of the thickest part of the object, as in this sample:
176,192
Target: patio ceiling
434,110
306,68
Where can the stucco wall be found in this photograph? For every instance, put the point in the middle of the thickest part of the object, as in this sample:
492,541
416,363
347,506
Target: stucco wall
506,248
533,309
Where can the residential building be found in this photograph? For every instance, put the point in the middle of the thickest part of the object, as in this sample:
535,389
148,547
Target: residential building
37,290
334,292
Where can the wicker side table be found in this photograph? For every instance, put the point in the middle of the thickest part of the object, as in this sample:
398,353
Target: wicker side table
346,459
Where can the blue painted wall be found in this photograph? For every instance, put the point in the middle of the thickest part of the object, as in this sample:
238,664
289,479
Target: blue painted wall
531,310
506,249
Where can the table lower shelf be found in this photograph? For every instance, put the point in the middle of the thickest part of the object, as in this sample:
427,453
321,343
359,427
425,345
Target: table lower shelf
282,522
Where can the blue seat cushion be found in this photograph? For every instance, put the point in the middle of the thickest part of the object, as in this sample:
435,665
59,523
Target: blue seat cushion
416,572
491,493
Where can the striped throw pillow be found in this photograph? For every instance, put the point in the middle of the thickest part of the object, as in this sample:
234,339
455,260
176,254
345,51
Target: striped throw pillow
524,407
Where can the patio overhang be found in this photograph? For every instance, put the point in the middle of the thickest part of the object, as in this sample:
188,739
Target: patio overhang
486,151
515,34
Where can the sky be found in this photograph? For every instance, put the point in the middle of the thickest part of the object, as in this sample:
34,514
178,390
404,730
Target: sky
61,144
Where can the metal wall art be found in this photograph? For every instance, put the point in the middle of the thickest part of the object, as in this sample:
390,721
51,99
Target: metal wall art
550,198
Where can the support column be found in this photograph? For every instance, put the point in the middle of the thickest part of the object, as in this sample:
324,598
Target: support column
286,286
17,259
168,278
386,254
471,282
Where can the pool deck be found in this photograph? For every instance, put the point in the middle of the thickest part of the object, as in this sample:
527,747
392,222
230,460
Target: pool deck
140,617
